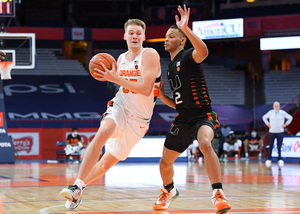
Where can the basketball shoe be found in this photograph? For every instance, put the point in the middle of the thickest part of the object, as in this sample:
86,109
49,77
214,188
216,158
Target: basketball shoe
280,164
220,202
165,199
71,205
268,163
72,193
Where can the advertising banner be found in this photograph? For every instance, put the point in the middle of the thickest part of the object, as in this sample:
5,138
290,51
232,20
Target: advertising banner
290,148
219,29
26,143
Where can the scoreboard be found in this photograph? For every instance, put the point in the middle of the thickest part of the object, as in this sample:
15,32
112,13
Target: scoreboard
7,8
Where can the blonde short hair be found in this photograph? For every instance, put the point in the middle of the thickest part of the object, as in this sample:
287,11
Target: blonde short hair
137,22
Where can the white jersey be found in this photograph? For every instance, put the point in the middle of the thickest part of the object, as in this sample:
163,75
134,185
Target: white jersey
139,105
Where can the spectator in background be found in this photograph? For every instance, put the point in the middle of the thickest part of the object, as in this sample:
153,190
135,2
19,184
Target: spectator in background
276,120
231,143
224,133
246,135
74,144
225,130
253,141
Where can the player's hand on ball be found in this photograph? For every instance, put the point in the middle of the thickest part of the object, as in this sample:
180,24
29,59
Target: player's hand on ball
106,75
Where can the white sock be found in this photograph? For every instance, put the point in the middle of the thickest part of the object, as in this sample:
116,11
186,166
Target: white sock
247,155
79,183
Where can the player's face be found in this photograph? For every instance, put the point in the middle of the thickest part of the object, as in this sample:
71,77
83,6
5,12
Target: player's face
134,36
173,40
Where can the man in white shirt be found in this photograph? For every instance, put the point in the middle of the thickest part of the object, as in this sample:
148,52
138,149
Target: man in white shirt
276,120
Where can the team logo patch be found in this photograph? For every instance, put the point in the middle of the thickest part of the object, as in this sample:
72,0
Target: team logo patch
178,66
136,62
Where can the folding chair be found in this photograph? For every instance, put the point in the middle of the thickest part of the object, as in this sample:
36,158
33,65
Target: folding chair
60,151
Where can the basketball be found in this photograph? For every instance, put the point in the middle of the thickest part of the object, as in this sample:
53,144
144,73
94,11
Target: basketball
105,58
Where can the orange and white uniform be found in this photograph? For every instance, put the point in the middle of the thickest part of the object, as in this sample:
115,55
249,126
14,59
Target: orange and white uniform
130,111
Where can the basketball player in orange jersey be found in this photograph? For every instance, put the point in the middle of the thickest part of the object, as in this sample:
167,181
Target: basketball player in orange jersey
195,118
128,114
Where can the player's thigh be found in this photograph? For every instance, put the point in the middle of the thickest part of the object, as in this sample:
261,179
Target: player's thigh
179,137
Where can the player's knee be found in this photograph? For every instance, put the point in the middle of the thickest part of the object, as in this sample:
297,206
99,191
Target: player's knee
104,167
204,144
164,163
104,134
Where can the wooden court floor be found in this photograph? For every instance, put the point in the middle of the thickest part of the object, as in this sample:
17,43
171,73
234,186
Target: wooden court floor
132,188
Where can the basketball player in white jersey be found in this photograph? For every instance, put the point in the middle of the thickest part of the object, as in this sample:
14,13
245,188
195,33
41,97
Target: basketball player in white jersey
128,114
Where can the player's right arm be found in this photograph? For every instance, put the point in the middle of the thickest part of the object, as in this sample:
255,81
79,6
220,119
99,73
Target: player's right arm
200,51
150,67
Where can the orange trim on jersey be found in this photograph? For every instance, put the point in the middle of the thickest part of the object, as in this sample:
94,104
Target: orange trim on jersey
155,92
109,102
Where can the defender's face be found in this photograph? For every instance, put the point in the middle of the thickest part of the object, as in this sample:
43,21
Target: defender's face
173,40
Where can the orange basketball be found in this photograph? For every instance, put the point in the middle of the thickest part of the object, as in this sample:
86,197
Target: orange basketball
105,58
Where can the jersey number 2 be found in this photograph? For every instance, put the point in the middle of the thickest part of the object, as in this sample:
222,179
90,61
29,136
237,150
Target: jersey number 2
177,98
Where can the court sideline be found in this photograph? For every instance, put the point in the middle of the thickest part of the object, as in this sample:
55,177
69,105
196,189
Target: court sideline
132,188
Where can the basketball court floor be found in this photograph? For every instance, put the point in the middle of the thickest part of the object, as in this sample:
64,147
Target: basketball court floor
132,188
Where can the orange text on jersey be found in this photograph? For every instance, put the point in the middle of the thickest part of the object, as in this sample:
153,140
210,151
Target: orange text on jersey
130,73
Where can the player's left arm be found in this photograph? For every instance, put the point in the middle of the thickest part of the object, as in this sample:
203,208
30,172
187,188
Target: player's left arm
200,51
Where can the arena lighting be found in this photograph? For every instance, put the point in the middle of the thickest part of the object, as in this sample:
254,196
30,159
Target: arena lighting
280,43
250,1
156,40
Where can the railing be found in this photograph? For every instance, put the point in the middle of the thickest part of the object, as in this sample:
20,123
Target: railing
293,105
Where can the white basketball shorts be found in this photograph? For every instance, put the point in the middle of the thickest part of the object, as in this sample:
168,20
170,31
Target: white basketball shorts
129,131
